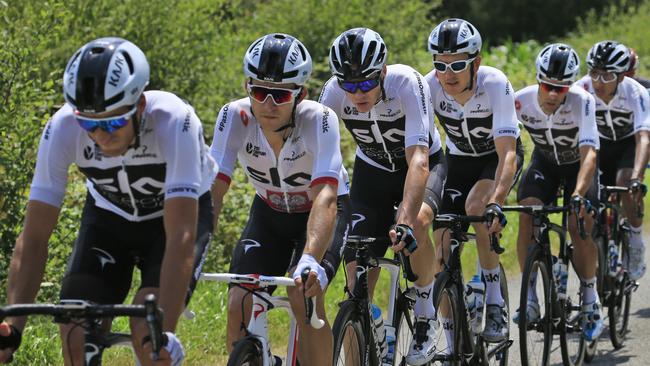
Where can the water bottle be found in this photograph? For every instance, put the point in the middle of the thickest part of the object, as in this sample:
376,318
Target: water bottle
612,258
390,341
475,292
380,332
560,275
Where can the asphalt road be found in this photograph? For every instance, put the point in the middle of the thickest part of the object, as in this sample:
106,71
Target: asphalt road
635,351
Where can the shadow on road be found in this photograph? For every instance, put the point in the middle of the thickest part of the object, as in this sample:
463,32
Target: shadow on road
642,313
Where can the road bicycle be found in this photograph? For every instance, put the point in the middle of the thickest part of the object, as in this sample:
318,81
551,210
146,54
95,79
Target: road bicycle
614,284
557,286
465,346
255,348
90,316
354,336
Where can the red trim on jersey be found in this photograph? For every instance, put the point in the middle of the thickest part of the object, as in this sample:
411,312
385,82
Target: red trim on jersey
325,180
224,178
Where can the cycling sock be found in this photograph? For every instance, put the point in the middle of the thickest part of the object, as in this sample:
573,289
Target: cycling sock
532,287
636,239
423,303
448,327
589,293
493,287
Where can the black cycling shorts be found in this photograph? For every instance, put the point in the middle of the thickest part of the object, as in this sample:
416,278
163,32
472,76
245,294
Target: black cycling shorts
614,156
108,248
375,194
465,171
272,241
542,179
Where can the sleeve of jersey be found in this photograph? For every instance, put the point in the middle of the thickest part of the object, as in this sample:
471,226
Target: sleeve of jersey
502,97
588,127
416,99
642,115
55,155
328,161
182,144
228,138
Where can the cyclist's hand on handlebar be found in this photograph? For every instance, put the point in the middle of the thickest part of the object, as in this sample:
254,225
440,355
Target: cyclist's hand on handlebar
581,202
638,189
316,281
496,218
172,352
403,239
10,338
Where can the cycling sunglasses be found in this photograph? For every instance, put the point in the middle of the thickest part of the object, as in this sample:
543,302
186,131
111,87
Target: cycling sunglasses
109,124
365,85
456,66
278,95
548,86
605,77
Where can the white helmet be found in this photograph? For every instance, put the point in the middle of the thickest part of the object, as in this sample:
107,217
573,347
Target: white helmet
278,58
558,61
610,56
454,36
357,54
104,75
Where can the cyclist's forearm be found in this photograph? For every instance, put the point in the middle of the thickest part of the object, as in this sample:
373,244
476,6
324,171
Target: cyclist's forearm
320,226
587,170
504,176
416,180
25,274
641,154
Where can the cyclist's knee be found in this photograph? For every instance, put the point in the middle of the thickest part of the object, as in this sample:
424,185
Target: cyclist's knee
475,207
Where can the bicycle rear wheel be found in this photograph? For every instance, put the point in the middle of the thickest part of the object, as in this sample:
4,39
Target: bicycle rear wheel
448,340
621,296
572,342
536,335
349,340
247,352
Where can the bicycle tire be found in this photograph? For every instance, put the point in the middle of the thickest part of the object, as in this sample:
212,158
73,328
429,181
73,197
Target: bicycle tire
530,355
404,323
572,343
349,338
247,352
445,290
601,277
621,297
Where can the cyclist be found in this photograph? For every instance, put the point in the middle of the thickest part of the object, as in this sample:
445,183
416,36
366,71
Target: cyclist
475,106
634,66
289,149
624,127
561,122
387,109
148,203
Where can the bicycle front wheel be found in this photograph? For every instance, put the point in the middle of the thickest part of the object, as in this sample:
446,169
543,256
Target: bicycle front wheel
573,344
403,335
618,310
536,331
448,340
247,352
349,340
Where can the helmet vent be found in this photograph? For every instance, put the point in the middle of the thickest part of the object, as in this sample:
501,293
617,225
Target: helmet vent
129,62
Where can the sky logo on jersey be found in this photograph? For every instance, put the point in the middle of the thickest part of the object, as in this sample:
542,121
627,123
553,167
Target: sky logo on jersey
250,243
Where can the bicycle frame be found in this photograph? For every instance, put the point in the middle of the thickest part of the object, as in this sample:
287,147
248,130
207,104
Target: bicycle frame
263,302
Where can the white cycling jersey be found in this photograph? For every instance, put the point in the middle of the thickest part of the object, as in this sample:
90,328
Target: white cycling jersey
402,118
311,154
559,136
169,159
490,113
624,115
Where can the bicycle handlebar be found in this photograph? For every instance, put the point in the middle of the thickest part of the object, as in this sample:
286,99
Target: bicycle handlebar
262,281
356,241
65,312
310,305
454,222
